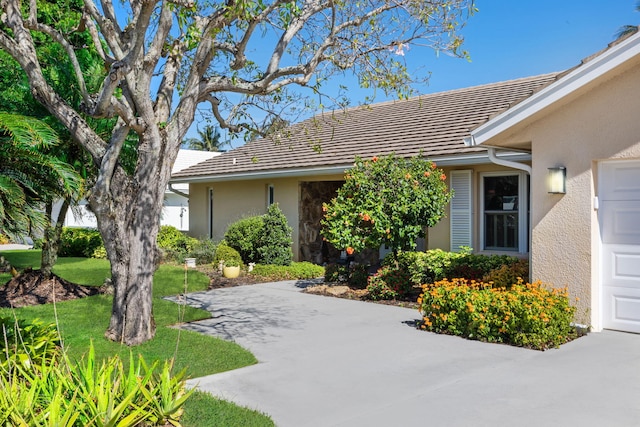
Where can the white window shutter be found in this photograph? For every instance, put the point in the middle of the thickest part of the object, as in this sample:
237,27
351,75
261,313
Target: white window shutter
461,209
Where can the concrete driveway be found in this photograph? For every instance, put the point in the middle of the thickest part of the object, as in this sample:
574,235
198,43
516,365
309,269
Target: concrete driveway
333,362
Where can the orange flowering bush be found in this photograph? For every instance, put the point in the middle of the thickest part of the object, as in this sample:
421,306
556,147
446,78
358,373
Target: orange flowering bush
526,315
387,200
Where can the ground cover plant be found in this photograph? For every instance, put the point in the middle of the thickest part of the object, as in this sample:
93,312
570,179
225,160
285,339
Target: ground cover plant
186,347
529,315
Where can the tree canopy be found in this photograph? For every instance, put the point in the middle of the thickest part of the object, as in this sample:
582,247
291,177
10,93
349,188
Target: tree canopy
165,59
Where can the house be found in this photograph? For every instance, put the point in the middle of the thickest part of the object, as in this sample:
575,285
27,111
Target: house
176,197
304,165
586,235
500,146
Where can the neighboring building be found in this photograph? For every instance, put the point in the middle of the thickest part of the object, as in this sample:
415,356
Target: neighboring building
176,198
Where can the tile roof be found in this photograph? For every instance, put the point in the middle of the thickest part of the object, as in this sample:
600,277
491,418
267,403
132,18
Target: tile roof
435,124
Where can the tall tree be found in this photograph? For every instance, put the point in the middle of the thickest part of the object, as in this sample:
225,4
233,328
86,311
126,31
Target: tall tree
208,140
165,58
16,97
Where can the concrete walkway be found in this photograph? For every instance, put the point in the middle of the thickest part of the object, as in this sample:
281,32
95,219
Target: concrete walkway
332,362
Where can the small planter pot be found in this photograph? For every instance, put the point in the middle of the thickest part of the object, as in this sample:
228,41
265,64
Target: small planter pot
231,272
190,262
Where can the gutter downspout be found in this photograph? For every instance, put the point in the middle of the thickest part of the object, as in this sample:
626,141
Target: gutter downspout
471,142
491,151
178,192
498,161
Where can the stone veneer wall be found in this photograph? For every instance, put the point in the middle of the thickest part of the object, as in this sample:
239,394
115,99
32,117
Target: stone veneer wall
312,196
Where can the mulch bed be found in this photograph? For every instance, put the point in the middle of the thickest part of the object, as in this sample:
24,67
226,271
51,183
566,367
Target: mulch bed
31,288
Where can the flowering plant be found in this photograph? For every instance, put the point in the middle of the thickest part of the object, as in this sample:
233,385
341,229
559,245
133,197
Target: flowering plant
527,315
386,200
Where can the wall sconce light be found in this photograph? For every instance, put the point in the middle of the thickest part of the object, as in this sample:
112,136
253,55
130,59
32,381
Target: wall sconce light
557,180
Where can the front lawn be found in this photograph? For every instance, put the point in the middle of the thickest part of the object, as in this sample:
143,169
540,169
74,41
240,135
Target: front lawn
85,320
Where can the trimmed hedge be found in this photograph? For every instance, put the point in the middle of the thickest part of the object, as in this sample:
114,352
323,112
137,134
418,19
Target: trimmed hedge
295,271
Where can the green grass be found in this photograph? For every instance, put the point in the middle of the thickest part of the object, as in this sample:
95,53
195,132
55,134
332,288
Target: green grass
200,408
85,320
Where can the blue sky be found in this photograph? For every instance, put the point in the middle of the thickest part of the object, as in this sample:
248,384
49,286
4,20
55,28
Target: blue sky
509,39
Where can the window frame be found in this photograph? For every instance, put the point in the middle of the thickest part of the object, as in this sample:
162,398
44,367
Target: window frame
270,194
523,211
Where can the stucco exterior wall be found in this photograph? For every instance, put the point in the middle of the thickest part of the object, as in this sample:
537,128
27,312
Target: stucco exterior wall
601,123
233,200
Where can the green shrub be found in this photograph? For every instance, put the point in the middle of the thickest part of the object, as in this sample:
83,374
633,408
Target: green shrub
275,239
175,245
27,343
3,239
389,283
226,254
295,271
244,236
527,315
508,274
475,266
100,252
203,250
336,273
356,275
79,242
436,264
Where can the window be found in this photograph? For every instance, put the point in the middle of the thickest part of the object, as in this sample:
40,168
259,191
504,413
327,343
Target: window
210,212
505,212
270,195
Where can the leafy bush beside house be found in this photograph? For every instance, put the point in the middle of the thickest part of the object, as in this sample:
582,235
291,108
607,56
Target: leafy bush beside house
244,236
436,264
264,239
386,200
275,239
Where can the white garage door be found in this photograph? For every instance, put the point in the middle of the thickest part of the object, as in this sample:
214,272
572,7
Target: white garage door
620,227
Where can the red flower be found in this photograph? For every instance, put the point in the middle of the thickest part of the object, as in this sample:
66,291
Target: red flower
443,177
374,159
349,250
433,165
427,173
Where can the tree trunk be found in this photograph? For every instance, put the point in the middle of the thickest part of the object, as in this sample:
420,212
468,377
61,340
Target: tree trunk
129,223
52,232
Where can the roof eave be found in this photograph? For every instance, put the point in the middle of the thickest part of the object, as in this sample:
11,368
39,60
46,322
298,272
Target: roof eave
443,161
567,84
